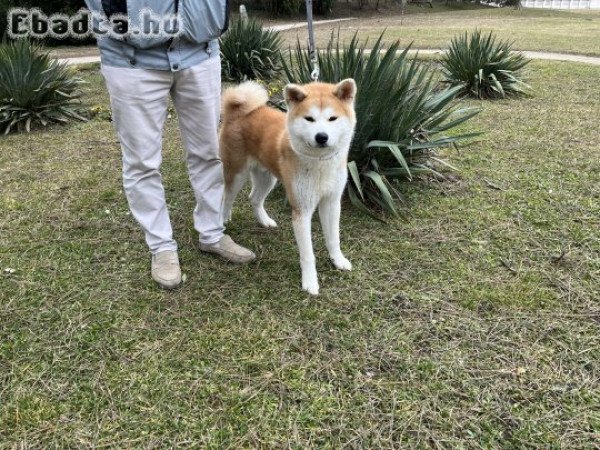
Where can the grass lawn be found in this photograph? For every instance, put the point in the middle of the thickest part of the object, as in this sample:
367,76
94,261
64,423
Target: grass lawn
473,324
531,29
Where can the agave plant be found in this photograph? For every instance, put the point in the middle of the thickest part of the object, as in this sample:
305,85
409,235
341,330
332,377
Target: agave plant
402,116
249,52
35,89
483,67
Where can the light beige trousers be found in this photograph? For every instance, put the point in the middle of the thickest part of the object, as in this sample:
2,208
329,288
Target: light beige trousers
139,102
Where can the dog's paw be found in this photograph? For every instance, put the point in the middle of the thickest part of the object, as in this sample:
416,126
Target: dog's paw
311,287
342,263
268,223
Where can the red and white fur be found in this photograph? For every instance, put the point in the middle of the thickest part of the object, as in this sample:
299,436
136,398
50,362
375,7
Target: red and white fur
306,149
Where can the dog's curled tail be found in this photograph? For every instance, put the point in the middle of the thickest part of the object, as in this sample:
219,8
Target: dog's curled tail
241,100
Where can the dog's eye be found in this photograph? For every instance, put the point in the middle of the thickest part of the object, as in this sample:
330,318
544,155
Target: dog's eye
332,119
309,119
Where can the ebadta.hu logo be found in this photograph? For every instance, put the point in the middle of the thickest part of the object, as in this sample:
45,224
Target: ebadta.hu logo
34,23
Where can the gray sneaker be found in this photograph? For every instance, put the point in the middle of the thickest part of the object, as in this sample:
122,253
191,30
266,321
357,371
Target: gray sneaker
229,251
165,269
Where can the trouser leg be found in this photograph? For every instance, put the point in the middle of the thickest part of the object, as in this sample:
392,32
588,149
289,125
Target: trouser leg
197,95
139,101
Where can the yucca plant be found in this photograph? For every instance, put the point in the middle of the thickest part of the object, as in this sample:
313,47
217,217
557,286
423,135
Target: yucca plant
249,52
402,116
35,89
484,67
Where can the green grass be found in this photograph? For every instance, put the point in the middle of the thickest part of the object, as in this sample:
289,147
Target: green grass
462,327
575,31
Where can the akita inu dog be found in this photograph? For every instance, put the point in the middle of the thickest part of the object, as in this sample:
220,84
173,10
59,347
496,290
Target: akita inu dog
306,149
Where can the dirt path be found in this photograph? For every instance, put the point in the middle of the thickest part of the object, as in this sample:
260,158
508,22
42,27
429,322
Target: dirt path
533,55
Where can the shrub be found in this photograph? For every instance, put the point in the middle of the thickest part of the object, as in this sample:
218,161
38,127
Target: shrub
483,67
288,7
249,52
515,3
35,89
402,117
323,6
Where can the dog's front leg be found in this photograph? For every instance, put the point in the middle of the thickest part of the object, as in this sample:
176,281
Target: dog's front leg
329,213
302,231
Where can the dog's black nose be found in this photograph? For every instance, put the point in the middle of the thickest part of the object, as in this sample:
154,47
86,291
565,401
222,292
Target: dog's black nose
321,138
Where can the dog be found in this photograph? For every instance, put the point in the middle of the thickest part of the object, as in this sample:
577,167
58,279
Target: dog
306,149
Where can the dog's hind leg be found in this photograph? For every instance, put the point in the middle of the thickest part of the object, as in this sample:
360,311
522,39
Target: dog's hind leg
233,186
263,183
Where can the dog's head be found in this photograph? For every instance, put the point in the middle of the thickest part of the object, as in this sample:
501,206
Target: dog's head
321,117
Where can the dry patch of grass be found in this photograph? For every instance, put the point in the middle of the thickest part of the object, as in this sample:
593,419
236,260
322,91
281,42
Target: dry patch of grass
74,52
474,324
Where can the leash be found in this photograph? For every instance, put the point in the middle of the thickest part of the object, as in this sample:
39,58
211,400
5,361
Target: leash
312,50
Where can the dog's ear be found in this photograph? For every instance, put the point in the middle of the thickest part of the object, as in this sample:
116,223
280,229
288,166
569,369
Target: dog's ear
346,90
294,94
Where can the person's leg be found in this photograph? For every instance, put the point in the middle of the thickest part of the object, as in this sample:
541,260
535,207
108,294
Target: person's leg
139,101
197,95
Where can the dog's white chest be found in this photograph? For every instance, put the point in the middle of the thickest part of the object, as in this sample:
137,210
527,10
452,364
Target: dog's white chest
318,179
